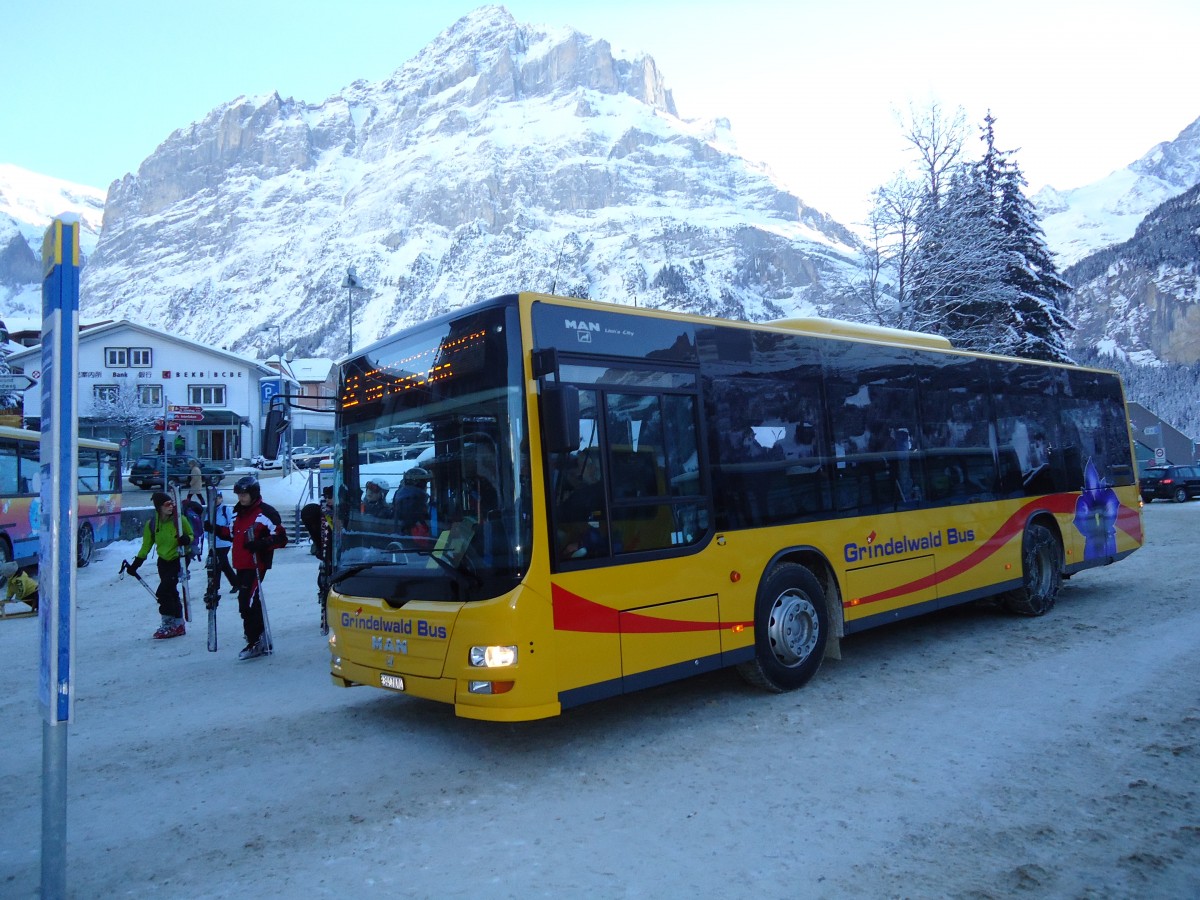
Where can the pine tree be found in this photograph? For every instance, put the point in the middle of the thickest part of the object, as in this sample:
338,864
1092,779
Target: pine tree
1040,293
10,403
959,251
957,278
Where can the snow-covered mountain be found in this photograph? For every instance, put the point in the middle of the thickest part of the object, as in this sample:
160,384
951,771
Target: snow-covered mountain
502,157
28,203
1141,298
1082,220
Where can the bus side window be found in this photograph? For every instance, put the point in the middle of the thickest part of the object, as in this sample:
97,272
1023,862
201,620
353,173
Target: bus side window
30,468
9,481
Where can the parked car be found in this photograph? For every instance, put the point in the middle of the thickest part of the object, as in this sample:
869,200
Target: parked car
313,459
1178,483
298,453
147,472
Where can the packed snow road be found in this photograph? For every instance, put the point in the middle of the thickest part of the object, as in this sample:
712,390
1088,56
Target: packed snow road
967,754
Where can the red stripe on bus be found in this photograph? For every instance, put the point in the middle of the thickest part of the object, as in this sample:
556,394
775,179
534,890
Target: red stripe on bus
575,613
1012,527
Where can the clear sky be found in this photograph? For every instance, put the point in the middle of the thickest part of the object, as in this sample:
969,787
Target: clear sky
814,89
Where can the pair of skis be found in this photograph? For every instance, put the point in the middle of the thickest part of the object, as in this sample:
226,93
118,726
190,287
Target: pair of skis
325,570
212,591
185,552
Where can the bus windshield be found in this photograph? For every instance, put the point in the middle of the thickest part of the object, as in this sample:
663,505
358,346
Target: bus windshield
432,486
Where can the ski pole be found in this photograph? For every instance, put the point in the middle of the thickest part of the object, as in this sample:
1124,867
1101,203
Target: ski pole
258,592
142,581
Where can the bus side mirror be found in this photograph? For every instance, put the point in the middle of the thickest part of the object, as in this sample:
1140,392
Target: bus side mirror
276,424
560,418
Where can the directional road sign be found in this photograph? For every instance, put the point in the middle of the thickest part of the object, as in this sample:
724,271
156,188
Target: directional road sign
10,384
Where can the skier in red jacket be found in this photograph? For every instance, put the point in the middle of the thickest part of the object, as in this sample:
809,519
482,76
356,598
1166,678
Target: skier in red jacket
256,532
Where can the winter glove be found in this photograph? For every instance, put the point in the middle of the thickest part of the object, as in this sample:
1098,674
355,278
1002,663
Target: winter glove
208,526
184,541
135,565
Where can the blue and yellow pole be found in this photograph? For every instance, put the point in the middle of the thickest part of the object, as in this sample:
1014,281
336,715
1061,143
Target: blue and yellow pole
56,553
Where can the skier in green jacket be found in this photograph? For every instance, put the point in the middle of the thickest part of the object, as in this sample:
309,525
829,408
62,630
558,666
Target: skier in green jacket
163,534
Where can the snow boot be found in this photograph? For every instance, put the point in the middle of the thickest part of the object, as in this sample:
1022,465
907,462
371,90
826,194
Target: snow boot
256,649
170,628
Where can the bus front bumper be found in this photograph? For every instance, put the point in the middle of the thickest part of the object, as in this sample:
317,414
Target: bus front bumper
468,705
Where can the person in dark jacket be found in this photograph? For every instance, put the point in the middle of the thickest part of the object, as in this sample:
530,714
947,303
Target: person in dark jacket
411,503
257,531
162,533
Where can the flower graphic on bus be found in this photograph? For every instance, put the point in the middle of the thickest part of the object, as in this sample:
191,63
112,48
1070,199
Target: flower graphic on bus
1096,513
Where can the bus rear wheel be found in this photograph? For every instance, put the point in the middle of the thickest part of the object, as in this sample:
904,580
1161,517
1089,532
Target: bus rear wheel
1041,573
85,546
791,626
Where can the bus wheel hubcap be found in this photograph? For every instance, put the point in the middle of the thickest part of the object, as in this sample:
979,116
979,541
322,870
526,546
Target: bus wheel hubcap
792,628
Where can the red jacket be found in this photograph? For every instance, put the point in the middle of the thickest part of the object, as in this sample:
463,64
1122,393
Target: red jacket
259,522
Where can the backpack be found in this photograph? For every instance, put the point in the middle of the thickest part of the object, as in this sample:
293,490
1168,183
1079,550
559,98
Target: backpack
195,516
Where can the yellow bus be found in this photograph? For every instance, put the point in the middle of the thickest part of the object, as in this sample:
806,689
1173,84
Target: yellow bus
541,502
99,491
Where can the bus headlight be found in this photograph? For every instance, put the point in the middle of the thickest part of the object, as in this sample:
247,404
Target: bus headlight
493,657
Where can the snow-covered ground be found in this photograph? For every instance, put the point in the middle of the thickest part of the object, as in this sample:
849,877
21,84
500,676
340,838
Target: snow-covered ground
966,754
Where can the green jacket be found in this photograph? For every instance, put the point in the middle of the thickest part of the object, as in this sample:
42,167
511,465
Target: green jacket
164,536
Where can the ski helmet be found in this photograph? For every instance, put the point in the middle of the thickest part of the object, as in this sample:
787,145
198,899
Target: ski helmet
416,475
248,484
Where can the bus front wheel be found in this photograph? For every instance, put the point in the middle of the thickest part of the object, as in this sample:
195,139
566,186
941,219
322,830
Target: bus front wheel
1041,573
791,626
85,547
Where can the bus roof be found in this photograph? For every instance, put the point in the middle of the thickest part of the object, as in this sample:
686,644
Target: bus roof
840,328
27,435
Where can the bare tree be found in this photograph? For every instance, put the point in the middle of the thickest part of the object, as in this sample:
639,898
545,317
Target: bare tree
938,142
120,409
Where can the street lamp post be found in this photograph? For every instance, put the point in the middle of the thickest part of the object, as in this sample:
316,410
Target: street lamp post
285,373
350,283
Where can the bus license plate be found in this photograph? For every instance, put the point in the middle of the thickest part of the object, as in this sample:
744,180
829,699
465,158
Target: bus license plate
395,682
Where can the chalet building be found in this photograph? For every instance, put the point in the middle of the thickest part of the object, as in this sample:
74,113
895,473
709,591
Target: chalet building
225,394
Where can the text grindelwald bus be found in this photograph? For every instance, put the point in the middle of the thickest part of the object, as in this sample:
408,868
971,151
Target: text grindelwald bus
541,502
99,492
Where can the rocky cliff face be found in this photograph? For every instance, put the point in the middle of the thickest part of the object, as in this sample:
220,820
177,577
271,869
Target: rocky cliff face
1142,297
29,201
501,158
18,264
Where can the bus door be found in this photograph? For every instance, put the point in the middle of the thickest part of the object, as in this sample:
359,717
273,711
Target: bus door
628,507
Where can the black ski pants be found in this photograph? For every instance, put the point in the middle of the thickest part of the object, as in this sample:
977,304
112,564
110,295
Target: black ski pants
225,567
250,603
169,603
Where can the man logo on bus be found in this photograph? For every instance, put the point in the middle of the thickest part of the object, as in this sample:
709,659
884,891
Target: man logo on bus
583,330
